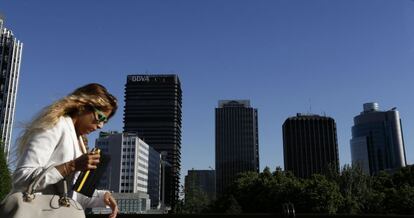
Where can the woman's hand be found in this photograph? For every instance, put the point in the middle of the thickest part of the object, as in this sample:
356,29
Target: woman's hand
110,201
87,161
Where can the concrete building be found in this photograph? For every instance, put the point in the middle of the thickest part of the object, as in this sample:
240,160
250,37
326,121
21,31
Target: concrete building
133,164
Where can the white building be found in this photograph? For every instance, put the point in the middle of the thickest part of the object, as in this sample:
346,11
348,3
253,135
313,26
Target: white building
10,59
127,171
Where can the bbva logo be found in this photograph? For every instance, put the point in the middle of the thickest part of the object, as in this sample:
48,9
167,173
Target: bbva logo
140,79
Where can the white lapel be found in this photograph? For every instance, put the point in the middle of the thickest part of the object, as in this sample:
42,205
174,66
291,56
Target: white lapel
78,148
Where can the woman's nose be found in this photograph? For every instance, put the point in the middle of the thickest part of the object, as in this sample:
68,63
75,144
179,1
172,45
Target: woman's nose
100,125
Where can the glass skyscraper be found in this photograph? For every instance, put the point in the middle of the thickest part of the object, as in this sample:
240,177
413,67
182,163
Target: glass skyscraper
237,141
377,140
10,59
153,111
310,145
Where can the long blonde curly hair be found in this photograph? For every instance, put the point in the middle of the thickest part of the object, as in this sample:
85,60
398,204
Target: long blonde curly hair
82,99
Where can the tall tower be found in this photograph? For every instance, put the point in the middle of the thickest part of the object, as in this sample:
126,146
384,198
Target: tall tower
237,141
10,59
377,140
153,111
310,145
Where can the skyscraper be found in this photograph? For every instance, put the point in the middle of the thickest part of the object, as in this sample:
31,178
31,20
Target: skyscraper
377,140
237,141
153,111
310,145
10,58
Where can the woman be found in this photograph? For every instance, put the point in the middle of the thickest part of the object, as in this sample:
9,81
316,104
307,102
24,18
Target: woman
54,137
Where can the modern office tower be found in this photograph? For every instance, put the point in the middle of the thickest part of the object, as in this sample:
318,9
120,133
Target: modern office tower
201,180
237,143
310,145
10,59
128,170
377,140
153,111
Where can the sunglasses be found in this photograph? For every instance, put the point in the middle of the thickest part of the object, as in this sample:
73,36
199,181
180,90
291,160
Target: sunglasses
100,116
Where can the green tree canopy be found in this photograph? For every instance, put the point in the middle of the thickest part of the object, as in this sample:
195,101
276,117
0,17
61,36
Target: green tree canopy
5,177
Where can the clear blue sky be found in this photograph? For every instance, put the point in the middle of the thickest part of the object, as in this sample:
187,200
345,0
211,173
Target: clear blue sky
287,56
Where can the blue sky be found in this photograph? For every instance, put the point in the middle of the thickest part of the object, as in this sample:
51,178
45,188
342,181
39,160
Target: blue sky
322,56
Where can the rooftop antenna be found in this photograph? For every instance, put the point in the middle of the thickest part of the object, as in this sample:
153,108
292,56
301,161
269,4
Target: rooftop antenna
310,106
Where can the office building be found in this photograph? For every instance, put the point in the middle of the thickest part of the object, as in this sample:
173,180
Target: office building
132,167
10,60
201,180
310,145
377,140
153,112
237,143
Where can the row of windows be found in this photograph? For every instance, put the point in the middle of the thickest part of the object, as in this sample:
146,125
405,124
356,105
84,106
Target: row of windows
143,166
143,172
128,156
132,150
128,149
129,142
127,205
127,163
145,148
142,179
142,186
144,153
127,177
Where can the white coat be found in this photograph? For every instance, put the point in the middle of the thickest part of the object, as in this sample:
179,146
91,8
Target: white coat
54,146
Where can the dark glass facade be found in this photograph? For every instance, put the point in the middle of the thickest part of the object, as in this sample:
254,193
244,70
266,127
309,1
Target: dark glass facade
237,143
203,180
154,177
377,140
310,145
153,111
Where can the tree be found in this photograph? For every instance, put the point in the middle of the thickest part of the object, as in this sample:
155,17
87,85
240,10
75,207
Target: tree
320,196
398,189
355,187
233,206
5,177
196,200
265,192
226,203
